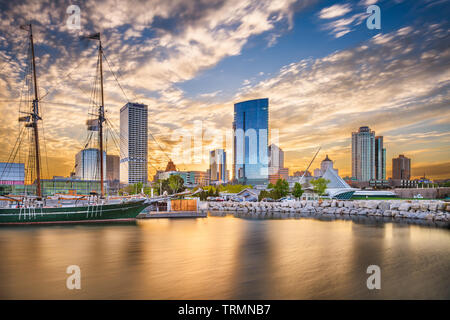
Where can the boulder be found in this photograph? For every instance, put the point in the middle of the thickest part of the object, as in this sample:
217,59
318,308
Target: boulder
384,205
394,205
405,206
387,213
415,205
372,204
432,206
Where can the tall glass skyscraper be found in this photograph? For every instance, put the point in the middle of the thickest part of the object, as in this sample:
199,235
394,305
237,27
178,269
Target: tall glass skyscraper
251,136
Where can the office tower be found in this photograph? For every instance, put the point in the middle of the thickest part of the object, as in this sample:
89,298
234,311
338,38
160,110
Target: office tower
363,154
134,143
218,165
276,159
250,128
380,159
87,164
112,167
401,168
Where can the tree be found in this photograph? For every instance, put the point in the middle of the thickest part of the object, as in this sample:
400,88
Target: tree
176,183
281,189
270,186
320,185
298,191
131,189
233,188
137,187
264,194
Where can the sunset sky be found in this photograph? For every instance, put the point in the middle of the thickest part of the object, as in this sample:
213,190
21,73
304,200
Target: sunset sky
324,72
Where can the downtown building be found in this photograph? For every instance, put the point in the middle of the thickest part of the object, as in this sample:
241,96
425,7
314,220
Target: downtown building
276,164
368,155
380,159
250,145
133,143
87,165
401,168
218,166
113,172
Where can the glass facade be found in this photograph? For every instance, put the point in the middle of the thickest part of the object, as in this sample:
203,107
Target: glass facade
12,173
87,164
250,127
380,159
52,186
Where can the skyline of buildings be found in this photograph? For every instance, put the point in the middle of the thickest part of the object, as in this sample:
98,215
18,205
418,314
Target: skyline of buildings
134,143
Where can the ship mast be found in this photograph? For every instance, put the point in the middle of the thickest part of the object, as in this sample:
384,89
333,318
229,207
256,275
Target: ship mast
101,111
101,116
35,118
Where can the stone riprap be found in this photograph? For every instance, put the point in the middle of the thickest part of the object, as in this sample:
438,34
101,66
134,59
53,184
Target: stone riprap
431,210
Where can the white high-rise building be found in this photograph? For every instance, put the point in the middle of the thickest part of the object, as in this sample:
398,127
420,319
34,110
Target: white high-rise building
133,143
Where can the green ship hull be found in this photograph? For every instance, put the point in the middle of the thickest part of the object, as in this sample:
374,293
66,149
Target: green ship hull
95,213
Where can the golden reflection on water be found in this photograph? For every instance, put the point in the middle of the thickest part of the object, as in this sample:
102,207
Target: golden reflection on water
225,258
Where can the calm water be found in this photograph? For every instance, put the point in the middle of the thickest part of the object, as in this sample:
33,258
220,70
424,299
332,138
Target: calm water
225,258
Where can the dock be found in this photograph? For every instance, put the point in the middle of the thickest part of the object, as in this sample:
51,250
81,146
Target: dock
172,214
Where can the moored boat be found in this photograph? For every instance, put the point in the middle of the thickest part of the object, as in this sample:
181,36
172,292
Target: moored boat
18,209
95,212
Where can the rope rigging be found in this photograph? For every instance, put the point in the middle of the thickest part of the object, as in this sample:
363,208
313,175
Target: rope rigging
25,107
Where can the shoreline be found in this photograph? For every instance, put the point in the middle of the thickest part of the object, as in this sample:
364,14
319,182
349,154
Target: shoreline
423,212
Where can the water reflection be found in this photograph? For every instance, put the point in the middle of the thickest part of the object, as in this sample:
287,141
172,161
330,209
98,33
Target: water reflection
224,257
255,262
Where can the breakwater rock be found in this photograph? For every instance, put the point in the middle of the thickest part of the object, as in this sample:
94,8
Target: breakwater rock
431,210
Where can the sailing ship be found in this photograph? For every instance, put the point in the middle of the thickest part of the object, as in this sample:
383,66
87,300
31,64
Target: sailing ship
67,209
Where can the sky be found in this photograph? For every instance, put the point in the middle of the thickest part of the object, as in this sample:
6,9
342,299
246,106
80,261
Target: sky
324,71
